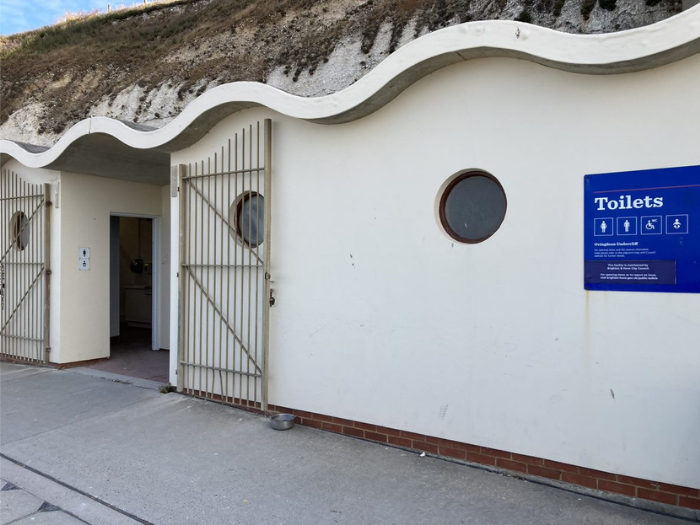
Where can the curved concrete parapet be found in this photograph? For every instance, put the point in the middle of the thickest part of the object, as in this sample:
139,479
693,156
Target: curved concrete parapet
615,53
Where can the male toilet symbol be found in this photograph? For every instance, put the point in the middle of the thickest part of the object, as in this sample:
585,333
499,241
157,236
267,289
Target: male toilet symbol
626,224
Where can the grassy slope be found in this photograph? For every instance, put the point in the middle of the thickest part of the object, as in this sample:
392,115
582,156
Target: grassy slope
72,65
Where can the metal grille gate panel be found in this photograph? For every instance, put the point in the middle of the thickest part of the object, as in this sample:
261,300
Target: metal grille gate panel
24,273
224,271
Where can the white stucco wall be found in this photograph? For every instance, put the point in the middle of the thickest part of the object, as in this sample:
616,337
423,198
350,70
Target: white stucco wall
381,318
44,176
87,203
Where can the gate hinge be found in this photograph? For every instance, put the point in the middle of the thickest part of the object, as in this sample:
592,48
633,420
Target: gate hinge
47,272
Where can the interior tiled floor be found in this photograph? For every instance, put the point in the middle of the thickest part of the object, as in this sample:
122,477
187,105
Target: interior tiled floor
131,355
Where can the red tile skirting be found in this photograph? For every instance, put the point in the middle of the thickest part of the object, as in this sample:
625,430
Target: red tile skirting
516,463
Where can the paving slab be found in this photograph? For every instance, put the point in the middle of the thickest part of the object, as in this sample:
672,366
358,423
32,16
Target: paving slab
72,502
16,503
9,371
167,458
120,378
34,401
49,518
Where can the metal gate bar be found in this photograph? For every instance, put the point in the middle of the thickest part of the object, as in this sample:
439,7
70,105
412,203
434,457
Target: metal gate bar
24,269
224,275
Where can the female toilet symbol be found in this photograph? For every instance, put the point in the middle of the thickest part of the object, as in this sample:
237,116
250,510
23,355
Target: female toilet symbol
603,226
676,224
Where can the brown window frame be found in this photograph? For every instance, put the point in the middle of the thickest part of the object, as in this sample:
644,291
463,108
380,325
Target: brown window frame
443,203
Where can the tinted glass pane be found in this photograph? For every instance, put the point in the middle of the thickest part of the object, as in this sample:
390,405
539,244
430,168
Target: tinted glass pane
475,207
19,229
250,220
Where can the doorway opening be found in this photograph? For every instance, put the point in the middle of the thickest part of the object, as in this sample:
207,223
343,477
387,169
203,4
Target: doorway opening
134,344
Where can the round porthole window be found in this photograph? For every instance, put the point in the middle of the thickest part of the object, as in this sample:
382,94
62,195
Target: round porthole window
472,207
19,230
248,214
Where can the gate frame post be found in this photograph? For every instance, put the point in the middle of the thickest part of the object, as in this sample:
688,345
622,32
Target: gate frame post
268,235
47,272
180,171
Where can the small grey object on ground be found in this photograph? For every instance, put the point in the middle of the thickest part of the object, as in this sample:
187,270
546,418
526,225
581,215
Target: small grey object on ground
107,452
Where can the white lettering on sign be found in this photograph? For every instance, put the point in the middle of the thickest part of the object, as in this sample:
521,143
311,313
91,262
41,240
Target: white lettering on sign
626,202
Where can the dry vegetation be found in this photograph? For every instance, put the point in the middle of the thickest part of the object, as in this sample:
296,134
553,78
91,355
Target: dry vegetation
187,43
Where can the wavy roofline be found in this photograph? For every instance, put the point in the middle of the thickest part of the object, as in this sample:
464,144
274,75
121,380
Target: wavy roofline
612,53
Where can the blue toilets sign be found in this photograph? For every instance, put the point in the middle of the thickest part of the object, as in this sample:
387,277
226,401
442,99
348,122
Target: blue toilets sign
642,231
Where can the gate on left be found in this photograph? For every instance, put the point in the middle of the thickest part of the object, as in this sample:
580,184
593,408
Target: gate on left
24,269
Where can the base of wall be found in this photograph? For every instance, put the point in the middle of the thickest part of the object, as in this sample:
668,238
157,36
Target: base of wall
86,362
659,497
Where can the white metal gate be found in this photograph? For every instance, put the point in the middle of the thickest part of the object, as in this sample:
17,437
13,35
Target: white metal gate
225,294
24,269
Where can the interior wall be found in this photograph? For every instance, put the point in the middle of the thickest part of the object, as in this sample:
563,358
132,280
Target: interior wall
87,205
114,280
135,242
382,318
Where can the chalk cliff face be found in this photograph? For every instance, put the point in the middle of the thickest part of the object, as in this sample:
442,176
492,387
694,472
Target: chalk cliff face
146,64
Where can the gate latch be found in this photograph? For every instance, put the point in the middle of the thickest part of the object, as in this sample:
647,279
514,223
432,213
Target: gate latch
272,298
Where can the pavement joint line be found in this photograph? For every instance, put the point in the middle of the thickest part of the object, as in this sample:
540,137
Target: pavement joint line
76,490
24,517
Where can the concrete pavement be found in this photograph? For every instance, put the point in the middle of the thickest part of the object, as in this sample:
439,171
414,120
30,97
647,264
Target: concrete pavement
100,452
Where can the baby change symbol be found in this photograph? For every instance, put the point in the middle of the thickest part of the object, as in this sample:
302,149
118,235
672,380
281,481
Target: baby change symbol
627,225
677,224
603,227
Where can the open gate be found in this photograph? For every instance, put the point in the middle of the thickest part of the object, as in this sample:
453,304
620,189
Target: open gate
225,294
24,269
